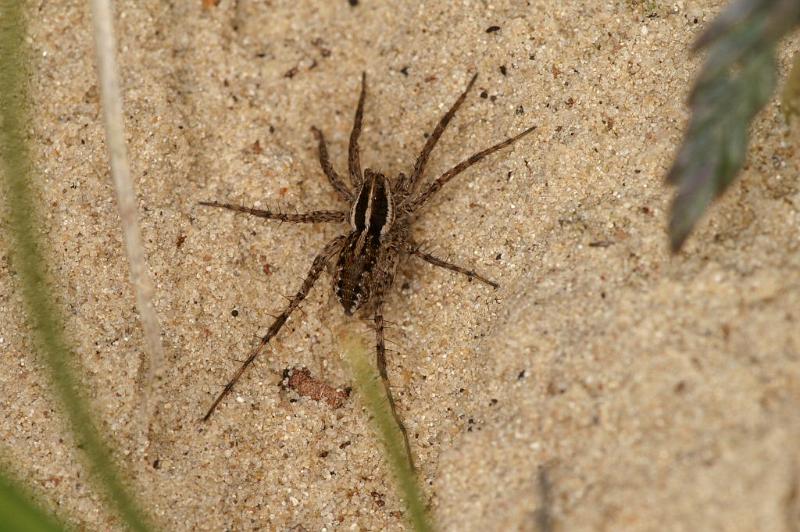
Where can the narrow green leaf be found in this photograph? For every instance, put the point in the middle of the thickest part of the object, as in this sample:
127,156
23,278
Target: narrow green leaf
368,384
18,512
43,316
790,97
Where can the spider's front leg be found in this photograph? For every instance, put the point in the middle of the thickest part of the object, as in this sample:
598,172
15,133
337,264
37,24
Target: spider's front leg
334,178
407,182
437,184
353,152
320,263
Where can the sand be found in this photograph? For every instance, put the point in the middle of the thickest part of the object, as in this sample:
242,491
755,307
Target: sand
605,386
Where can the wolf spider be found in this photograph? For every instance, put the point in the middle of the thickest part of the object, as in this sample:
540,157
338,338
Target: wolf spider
380,212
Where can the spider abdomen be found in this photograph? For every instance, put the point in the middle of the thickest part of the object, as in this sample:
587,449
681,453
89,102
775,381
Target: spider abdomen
354,270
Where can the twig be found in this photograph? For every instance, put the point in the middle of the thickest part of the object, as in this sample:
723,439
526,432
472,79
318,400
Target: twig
105,48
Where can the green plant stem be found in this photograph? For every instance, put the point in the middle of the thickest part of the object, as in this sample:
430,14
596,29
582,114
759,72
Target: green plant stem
43,317
374,396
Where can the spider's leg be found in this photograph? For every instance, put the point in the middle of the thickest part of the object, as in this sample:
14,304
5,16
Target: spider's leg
353,159
419,167
303,217
320,262
427,257
334,178
457,169
380,346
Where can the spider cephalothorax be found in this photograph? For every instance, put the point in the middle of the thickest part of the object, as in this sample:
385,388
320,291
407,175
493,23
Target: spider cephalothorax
366,257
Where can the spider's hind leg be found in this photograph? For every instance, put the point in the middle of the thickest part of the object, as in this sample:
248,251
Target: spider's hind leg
380,346
321,260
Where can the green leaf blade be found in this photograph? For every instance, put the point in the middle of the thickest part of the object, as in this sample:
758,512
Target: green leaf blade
737,80
18,512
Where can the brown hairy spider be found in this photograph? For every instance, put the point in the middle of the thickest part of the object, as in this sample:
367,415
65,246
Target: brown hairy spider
380,212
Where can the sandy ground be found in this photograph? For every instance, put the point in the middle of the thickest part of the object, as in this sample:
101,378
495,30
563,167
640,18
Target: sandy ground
604,386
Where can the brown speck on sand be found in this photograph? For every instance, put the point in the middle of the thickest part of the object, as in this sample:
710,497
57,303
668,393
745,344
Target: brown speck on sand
301,381
319,43
292,72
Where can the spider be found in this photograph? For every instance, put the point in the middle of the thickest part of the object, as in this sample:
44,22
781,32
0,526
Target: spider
364,259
